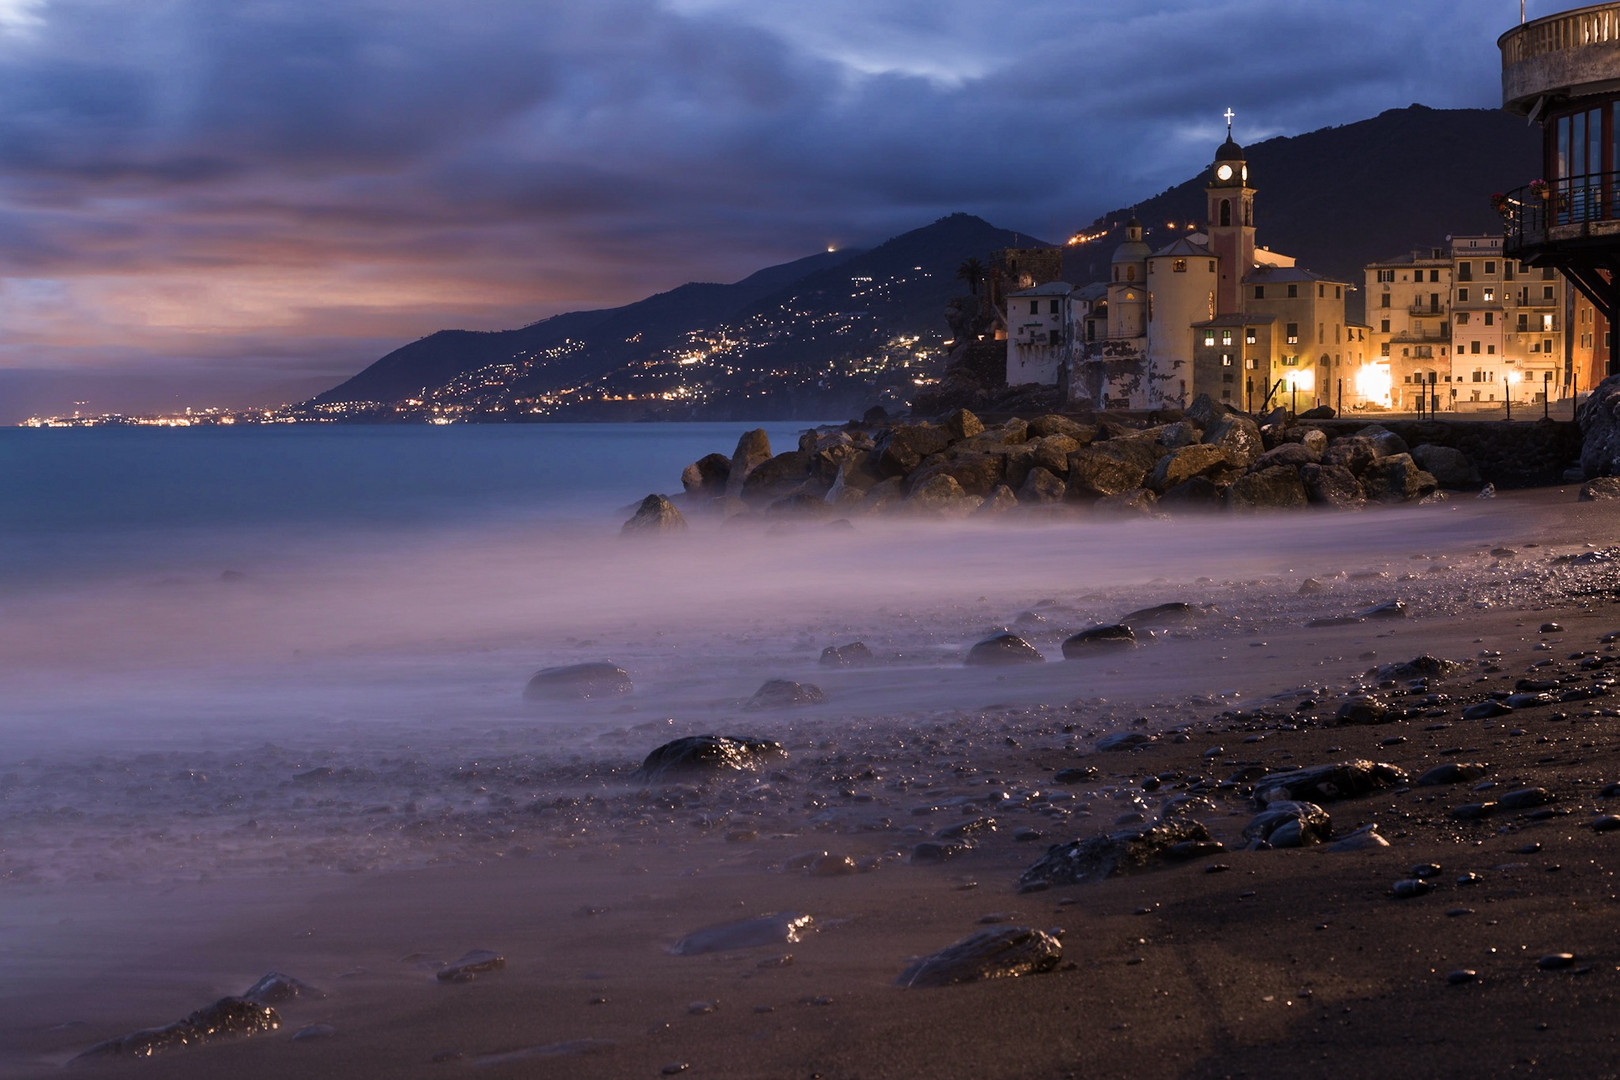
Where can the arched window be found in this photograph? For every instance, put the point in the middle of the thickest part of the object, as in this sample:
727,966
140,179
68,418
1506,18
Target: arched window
1226,211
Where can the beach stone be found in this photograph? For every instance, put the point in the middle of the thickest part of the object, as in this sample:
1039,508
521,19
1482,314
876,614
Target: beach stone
855,654
1451,468
1605,823
1199,493
941,495
785,927
1181,433
1328,783
1599,419
1389,609
471,965
578,682
1288,824
229,1017
275,988
1453,772
1291,455
1114,854
1485,710
1125,740
975,473
1314,440
711,755
1462,976
656,514
1525,798
1557,961
1183,464
1474,811
1052,453
1098,639
778,477
1205,411
1420,667
784,694
1352,452
1074,775
1407,888
1053,424
1385,443
962,424
1138,502
1176,613
999,501
312,1032
1366,838
1364,709
1005,952
1002,650
902,448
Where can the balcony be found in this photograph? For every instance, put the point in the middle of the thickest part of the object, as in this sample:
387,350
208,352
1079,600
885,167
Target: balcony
1567,211
1559,56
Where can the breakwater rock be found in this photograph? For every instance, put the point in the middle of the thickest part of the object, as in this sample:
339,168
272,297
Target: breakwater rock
1210,458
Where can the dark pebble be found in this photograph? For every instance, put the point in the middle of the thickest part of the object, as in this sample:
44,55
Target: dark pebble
1410,887
1462,975
1557,961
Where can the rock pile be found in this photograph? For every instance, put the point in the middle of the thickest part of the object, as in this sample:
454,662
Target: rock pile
1211,458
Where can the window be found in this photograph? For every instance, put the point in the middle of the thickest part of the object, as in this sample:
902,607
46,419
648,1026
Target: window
1179,266
1249,335
1490,267
1462,318
1386,275
1546,292
1293,291
1226,212
1226,378
1524,323
1055,337
1487,295
1474,348
1209,337
1490,318
1384,349
1250,363
1034,307
1226,359
1434,276
1462,296
1338,292
1434,303
1383,326
1383,301
1548,274
1507,270
1491,350
1054,307
1546,346
1130,273
1293,333
1259,292
1546,324
1465,271
1226,337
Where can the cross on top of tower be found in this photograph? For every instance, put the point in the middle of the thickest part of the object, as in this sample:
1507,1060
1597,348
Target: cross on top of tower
1229,115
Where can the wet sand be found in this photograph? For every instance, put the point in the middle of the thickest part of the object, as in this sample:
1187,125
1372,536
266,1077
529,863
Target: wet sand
1271,963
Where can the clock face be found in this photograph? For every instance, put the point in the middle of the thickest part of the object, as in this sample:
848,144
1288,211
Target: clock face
1224,172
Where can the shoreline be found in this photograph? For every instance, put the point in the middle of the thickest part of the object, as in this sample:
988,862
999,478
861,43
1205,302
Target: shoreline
1175,971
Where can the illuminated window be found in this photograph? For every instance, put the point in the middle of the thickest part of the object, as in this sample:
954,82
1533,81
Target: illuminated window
1209,337
1226,359
1546,324
1249,335
1487,295
1226,337
1179,266
1293,331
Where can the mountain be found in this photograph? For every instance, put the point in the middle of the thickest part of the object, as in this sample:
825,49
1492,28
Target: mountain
834,332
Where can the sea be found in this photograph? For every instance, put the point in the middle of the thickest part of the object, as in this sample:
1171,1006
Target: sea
198,624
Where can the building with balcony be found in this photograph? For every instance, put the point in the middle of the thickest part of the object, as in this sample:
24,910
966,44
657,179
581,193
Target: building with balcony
1563,72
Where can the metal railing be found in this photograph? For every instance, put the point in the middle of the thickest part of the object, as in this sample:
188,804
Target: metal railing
1531,214
1593,25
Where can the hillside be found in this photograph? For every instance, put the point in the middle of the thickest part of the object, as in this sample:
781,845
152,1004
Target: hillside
835,332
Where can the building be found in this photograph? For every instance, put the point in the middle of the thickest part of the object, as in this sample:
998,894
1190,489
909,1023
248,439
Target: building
1212,313
1463,327
1563,72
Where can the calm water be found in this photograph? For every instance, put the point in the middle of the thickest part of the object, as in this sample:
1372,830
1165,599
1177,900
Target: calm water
106,501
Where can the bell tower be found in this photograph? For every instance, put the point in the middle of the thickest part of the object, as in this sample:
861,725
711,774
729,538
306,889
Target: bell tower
1231,221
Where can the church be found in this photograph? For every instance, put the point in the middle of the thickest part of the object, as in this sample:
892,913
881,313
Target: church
1211,313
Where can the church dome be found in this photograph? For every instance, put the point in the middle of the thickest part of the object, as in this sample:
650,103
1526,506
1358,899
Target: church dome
1229,151
1133,250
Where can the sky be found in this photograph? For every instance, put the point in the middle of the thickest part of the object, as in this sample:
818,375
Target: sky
245,201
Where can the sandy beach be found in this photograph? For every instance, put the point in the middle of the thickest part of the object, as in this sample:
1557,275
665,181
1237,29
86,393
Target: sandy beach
1291,962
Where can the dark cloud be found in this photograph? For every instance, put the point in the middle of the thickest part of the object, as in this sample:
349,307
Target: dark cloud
198,177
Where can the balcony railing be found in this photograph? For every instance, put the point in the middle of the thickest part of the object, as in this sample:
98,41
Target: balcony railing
1565,53
1564,209
1591,25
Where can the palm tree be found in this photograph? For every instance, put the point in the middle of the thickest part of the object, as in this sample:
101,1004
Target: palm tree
972,272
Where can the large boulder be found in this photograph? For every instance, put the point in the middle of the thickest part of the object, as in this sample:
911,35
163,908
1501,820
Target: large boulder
1181,465
1332,485
1385,443
656,514
1181,433
962,424
1328,783
1353,452
1397,478
1052,424
1599,418
706,477
1601,489
1137,502
1239,436
1052,453
940,494
976,473
1288,824
753,448
1107,468
1080,862
1198,493
1273,488
1450,468
1205,411
1041,488
772,479
1003,650
1292,454
229,1017
784,694
903,447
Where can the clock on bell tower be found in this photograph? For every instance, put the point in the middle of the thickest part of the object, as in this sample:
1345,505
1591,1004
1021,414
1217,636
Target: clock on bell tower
1231,221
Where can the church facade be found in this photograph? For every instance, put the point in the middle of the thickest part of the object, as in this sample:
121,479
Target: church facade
1211,313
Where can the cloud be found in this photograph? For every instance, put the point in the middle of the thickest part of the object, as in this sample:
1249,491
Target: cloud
241,170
